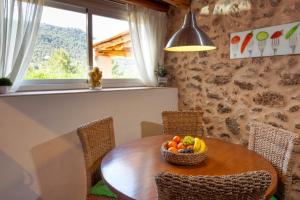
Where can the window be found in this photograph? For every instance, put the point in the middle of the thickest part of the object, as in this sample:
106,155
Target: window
112,48
61,48
61,58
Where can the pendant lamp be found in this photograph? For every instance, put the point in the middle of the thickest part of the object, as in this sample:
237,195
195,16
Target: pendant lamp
190,37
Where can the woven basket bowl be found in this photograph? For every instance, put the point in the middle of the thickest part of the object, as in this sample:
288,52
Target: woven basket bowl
182,158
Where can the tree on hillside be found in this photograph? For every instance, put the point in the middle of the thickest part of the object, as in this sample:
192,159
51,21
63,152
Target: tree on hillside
57,66
116,72
61,61
54,37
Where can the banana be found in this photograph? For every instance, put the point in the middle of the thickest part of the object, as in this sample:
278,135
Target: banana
202,146
197,145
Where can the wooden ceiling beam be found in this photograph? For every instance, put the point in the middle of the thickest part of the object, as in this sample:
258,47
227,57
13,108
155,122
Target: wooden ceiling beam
111,53
112,43
184,4
119,46
147,3
96,4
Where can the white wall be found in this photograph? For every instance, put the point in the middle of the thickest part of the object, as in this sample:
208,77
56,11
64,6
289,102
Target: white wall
40,153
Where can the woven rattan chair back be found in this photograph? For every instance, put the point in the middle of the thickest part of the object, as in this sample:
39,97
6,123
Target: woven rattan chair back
277,146
97,139
246,186
183,123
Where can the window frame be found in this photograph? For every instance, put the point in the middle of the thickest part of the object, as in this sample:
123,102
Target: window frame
119,12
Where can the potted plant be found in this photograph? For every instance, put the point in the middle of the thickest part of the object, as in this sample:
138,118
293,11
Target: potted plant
5,85
161,74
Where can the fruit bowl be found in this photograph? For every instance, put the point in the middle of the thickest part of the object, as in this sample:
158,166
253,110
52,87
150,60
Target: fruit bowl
183,156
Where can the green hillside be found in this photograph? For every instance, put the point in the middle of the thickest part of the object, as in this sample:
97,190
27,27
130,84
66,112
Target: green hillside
59,53
70,39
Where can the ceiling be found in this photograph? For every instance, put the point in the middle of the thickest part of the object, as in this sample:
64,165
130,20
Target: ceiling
177,3
161,5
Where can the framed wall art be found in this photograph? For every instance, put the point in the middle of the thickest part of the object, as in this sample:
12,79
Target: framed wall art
269,41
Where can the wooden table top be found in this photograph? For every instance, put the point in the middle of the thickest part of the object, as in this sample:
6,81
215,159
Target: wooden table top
130,168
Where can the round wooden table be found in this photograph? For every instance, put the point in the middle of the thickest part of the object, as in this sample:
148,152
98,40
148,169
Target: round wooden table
130,168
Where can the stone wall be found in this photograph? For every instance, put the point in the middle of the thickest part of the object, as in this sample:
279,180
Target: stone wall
233,92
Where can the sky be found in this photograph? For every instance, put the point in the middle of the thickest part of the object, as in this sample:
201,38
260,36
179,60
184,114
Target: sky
103,27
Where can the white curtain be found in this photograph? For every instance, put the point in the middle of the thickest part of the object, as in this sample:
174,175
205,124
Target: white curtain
19,24
148,32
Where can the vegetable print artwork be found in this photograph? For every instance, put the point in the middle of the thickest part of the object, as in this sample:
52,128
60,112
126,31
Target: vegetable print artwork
270,41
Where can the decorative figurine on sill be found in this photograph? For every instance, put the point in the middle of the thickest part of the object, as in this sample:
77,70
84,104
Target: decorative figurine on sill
95,78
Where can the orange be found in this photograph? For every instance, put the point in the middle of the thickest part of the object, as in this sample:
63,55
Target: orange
172,149
172,144
180,146
176,139
190,147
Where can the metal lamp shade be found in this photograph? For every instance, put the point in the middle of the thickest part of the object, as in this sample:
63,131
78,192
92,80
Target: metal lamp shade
190,37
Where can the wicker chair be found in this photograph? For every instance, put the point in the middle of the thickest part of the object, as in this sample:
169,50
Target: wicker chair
183,123
97,139
246,186
277,146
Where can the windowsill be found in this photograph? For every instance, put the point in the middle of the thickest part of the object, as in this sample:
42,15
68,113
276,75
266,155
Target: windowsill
75,84
75,91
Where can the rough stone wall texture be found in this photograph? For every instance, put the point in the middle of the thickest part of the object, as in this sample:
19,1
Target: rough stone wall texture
233,92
